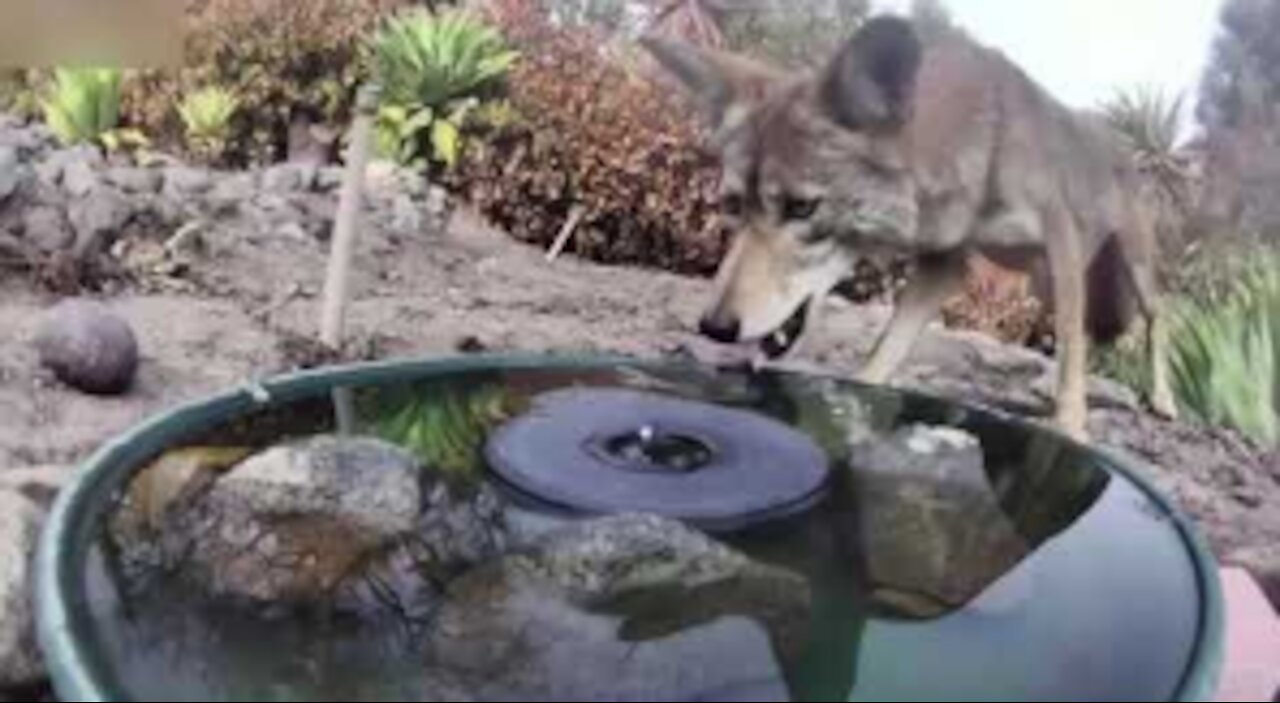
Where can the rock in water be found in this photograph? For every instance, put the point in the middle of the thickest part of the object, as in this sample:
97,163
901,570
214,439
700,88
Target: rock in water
88,347
628,608
934,533
286,526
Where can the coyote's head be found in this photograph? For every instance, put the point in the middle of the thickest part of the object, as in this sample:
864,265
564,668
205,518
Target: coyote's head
814,172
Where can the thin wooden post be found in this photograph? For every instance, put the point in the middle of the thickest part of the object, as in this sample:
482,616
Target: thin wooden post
345,230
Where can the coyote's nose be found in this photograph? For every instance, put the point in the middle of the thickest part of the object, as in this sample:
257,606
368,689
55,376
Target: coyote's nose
722,328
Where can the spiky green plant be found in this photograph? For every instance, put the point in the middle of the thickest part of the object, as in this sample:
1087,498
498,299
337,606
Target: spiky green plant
1150,121
1225,354
442,424
82,104
431,59
206,116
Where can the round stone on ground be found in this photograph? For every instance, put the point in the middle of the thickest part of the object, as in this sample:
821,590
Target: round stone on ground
88,347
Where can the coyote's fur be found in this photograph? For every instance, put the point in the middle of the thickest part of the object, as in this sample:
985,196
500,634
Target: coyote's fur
931,146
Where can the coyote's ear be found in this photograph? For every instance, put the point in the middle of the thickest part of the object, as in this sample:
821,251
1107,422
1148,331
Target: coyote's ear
870,85
717,80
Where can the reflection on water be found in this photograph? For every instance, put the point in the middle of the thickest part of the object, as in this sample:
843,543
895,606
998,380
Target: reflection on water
956,558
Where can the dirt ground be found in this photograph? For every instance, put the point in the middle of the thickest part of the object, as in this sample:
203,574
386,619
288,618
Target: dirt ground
240,310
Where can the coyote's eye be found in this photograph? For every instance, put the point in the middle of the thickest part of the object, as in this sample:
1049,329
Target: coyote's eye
799,209
733,204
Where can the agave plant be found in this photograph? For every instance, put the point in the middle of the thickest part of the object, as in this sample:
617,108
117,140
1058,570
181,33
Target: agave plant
411,135
82,104
431,59
206,115
1150,120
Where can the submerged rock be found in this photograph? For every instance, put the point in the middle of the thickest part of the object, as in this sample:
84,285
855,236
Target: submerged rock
286,526
623,608
932,528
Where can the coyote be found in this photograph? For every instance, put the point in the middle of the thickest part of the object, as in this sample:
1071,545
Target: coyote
932,146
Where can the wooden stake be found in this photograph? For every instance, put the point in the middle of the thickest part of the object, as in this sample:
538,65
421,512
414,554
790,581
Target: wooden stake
346,227
570,226
338,281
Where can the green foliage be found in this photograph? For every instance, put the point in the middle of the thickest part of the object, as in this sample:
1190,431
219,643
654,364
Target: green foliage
434,59
1149,120
206,117
1226,353
287,62
443,424
18,92
416,135
434,69
82,104
399,130
1224,348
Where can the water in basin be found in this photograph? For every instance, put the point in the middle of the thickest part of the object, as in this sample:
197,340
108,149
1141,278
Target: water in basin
950,556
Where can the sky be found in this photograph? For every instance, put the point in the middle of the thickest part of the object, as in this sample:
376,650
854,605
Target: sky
1084,50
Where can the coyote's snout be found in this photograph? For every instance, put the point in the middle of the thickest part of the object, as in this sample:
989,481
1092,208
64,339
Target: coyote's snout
933,147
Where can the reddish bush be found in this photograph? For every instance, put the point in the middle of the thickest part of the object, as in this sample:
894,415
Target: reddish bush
595,139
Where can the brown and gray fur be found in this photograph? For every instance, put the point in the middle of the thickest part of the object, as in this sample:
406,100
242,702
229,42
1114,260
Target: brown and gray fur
936,147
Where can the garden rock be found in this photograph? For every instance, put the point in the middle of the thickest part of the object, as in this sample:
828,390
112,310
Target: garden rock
182,182
329,179
12,172
98,218
88,347
47,229
624,608
79,178
20,523
138,181
288,178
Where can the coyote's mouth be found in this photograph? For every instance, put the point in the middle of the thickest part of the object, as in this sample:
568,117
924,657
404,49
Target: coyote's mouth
782,340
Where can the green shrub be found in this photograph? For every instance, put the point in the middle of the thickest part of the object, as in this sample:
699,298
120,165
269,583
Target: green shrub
287,62
19,94
430,59
206,117
1226,354
82,104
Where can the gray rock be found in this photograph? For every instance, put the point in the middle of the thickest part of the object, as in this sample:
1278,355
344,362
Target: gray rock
47,228
236,189
289,178
88,347
139,181
625,608
934,533
291,524
98,218
437,202
182,181
329,179
20,523
80,179
406,216
12,172
51,170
